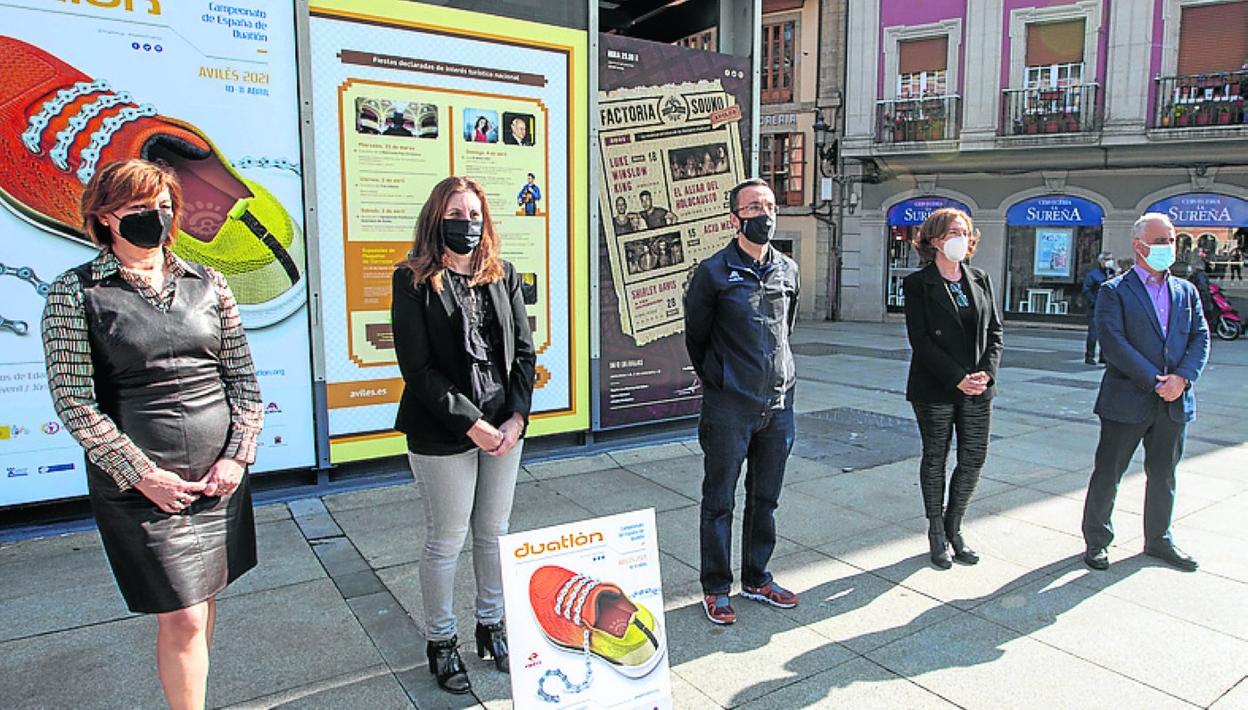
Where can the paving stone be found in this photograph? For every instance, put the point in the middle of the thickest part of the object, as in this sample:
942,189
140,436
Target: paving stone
557,468
857,683
964,659
859,609
372,688
1152,648
386,534
339,557
369,498
776,651
619,491
397,638
284,557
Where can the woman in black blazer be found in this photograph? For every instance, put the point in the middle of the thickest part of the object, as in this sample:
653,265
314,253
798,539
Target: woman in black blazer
466,353
955,335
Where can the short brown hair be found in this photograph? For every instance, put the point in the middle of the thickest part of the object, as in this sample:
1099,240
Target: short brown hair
427,260
935,226
736,190
121,182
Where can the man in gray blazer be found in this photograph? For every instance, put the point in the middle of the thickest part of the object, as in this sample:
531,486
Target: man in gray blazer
1153,335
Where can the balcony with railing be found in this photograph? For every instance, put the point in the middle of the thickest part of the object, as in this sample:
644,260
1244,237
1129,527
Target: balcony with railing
1202,100
911,120
1048,111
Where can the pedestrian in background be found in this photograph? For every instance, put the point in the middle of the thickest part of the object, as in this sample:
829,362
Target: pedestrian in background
150,371
739,314
955,334
1156,342
461,336
1103,271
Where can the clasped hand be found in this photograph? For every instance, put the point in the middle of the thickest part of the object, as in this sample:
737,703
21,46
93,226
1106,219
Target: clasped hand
496,441
172,493
1170,387
975,383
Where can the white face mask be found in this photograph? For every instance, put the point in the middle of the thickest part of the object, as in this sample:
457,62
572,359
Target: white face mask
1108,263
955,248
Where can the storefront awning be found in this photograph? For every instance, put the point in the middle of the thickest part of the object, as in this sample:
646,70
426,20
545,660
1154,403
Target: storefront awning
1203,209
1055,211
912,212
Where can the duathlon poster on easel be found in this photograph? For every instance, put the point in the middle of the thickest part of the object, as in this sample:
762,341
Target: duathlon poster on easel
405,94
585,622
207,88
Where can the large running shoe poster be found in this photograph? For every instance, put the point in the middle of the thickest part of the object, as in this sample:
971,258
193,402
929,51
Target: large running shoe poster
405,94
673,136
210,90
585,621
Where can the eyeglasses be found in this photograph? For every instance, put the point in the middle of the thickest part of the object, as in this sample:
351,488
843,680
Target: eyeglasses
959,296
758,207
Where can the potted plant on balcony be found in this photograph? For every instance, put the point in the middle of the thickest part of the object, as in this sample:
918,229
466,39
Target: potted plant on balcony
1224,114
1182,117
1203,115
1051,123
1072,122
1031,122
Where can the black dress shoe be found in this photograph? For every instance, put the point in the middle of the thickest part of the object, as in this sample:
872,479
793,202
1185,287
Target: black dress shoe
938,543
1172,556
1096,558
1089,361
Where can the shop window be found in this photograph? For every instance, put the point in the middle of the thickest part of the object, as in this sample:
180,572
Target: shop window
777,61
781,163
1047,266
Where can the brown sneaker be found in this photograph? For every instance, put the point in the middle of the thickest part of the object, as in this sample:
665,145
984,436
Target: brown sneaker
771,593
719,609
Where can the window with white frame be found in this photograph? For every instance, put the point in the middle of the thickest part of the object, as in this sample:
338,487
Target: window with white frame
921,67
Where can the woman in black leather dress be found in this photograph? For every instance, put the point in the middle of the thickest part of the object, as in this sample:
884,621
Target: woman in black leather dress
150,371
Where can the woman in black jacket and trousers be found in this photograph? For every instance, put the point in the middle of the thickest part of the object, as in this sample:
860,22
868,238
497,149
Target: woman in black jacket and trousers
464,347
955,335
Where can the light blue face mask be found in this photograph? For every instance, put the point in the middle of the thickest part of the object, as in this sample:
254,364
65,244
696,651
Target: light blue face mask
1160,256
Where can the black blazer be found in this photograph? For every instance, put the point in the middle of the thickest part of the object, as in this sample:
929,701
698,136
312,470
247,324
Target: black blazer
436,410
941,356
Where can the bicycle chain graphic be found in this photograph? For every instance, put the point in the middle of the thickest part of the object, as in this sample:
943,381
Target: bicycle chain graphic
27,274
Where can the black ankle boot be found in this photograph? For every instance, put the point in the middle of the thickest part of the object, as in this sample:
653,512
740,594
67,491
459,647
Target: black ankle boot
961,551
939,545
447,666
493,638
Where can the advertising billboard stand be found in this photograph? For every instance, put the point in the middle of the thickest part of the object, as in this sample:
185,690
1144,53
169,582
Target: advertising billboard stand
585,619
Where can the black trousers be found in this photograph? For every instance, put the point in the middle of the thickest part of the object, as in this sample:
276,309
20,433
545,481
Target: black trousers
1163,447
1089,351
937,422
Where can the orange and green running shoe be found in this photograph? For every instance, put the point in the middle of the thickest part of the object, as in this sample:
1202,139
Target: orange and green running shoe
621,632
58,126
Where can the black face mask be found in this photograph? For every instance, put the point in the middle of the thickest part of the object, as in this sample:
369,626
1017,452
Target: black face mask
147,229
758,229
462,235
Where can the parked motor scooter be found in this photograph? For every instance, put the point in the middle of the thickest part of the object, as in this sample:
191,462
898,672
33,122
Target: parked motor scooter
1223,319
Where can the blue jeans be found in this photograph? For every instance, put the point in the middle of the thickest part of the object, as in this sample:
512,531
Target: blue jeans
761,439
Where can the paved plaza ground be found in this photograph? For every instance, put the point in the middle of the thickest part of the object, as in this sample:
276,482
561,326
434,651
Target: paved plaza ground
332,618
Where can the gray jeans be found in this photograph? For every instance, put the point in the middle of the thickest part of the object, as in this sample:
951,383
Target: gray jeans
472,487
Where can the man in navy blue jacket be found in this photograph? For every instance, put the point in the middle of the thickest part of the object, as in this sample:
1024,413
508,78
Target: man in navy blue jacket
1154,337
739,313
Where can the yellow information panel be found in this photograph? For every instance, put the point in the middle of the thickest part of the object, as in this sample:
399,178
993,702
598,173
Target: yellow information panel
405,94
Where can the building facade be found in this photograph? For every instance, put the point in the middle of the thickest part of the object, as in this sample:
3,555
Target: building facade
1055,123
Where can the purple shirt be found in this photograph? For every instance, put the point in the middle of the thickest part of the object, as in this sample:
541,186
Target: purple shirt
1159,293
